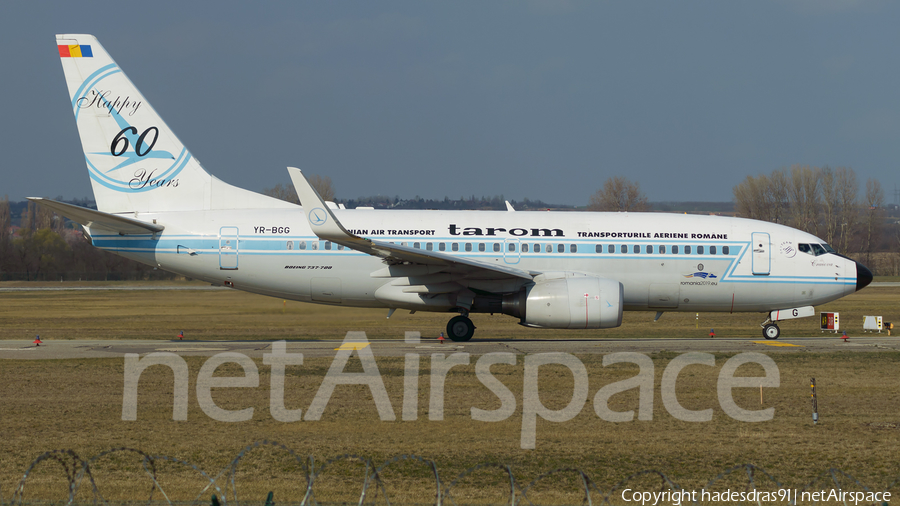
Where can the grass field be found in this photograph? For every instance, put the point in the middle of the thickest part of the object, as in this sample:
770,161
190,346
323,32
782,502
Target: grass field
231,314
77,404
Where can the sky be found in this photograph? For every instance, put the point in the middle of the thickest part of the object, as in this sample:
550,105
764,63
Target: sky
525,99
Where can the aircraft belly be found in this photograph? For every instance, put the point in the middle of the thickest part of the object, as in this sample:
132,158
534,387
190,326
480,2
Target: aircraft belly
293,275
325,289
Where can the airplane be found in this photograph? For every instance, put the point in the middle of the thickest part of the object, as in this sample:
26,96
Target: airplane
561,270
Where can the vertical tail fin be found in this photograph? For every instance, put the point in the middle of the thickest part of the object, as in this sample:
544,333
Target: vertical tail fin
136,163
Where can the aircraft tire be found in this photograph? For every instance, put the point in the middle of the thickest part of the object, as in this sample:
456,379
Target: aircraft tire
460,328
771,331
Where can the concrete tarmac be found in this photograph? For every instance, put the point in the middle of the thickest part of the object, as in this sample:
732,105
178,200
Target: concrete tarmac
96,348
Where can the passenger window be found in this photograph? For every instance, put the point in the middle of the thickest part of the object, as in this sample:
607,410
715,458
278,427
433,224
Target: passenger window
497,246
662,250
416,245
687,250
455,246
328,245
623,248
598,248
511,246
699,250
301,245
442,246
537,248
712,250
611,248
481,246
290,245
468,246
573,248
675,250
340,247
636,248
549,248
561,248
429,246
725,250
525,248
649,249
314,244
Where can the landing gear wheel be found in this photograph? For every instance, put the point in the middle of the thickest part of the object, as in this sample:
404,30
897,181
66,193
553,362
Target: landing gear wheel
771,331
460,328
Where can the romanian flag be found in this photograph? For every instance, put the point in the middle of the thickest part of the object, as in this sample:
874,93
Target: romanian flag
75,51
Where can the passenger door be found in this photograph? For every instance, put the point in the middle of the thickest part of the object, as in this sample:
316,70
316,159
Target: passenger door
761,253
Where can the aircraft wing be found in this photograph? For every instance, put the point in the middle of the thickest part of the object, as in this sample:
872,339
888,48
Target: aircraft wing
327,227
94,219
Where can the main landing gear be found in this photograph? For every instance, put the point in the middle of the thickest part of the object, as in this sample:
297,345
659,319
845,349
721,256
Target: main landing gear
460,328
770,329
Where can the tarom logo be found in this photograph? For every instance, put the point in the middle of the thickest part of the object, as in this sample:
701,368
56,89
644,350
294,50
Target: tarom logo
318,216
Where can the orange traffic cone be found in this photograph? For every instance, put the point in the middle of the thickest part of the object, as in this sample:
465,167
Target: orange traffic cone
441,338
37,341
712,332
844,337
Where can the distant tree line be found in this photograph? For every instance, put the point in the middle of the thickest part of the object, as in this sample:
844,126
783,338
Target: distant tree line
823,201
826,202
324,186
37,244
287,192
496,203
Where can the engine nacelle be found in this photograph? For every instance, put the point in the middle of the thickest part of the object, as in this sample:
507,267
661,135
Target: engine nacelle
568,300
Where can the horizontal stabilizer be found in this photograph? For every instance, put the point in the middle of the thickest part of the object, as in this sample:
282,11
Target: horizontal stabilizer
94,219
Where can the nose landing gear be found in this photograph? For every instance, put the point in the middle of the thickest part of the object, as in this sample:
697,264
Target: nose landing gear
770,329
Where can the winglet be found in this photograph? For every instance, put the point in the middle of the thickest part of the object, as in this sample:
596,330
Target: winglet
321,220
509,206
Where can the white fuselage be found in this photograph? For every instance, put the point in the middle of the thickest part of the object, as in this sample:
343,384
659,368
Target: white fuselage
666,262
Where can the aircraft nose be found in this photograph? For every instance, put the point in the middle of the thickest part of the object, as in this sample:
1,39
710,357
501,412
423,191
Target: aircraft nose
863,276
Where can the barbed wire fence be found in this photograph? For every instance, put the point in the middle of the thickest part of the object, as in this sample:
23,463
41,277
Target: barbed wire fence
78,474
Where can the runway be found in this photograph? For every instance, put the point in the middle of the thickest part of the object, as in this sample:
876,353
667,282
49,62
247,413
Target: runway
83,349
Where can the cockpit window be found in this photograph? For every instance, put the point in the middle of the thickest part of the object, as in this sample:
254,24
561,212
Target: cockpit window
815,249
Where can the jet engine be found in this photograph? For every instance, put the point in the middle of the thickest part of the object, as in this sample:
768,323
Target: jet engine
568,300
